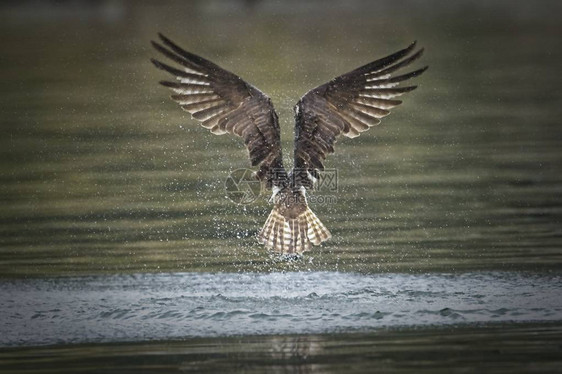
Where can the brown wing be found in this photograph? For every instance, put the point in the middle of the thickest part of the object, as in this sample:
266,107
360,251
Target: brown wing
348,105
224,103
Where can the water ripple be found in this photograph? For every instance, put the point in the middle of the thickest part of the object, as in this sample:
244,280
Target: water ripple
164,306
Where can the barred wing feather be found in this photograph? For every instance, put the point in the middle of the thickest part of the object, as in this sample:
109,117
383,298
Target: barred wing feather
224,103
348,105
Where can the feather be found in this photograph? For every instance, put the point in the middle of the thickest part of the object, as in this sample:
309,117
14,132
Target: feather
286,235
224,103
349,105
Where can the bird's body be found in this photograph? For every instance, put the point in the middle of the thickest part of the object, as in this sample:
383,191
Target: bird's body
347,105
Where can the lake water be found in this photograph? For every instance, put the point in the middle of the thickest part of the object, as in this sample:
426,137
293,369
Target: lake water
115,226
180,305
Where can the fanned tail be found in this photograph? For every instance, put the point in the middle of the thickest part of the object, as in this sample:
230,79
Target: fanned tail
292,235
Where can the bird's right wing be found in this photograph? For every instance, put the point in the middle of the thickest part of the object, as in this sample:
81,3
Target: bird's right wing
224,103
347,105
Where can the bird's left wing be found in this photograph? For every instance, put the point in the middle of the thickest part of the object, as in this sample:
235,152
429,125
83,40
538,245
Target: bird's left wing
347,105
224,103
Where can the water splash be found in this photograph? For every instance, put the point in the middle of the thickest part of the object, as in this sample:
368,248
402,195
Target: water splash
163,306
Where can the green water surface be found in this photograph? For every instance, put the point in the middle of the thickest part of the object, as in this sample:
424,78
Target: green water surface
101,173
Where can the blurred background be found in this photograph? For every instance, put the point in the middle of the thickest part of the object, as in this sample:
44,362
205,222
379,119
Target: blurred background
101,172
115,225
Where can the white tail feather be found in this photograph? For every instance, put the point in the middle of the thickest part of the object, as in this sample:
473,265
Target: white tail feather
292,235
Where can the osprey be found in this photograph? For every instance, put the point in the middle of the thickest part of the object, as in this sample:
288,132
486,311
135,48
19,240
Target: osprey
346,105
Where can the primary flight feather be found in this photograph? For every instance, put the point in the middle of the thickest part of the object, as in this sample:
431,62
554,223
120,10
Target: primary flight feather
347,105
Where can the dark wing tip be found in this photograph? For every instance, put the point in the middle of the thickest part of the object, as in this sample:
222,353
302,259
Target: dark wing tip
164,38
420,71
156,63
160,48
176,48
406,51
410,48
168,84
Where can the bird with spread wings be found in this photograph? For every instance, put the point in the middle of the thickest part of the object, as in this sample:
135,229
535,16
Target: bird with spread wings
347,105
